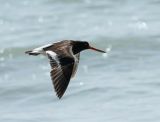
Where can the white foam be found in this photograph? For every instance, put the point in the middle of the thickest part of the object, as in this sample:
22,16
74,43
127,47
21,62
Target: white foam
81,83
108,49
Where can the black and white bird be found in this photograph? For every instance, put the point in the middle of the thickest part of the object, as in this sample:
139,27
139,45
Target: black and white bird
64,58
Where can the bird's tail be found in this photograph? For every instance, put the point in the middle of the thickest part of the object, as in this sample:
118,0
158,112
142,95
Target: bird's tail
30,52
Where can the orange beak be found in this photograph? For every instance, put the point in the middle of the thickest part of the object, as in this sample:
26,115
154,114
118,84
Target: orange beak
92,48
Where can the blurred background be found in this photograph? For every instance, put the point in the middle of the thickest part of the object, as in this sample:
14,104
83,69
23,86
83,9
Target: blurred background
122,86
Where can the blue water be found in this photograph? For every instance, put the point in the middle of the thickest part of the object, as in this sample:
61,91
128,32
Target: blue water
122,86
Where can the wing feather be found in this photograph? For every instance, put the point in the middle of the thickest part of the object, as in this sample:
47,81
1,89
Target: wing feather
77,56
61,72
60,78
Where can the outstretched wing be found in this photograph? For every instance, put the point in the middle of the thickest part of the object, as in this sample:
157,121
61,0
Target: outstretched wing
77,56
61,72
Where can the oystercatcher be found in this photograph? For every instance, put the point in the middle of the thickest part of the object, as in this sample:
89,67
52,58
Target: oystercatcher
64,58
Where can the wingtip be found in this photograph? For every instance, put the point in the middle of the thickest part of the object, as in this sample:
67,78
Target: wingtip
59,96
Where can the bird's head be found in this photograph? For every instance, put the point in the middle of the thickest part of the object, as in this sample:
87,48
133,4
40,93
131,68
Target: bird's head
83,45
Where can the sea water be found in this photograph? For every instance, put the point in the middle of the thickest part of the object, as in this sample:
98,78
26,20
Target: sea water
120,86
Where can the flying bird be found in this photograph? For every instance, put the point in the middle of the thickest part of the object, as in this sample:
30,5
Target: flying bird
64,58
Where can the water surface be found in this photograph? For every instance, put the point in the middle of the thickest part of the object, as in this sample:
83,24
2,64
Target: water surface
120,87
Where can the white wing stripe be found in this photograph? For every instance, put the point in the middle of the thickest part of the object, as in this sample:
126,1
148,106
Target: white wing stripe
40,49
53,55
